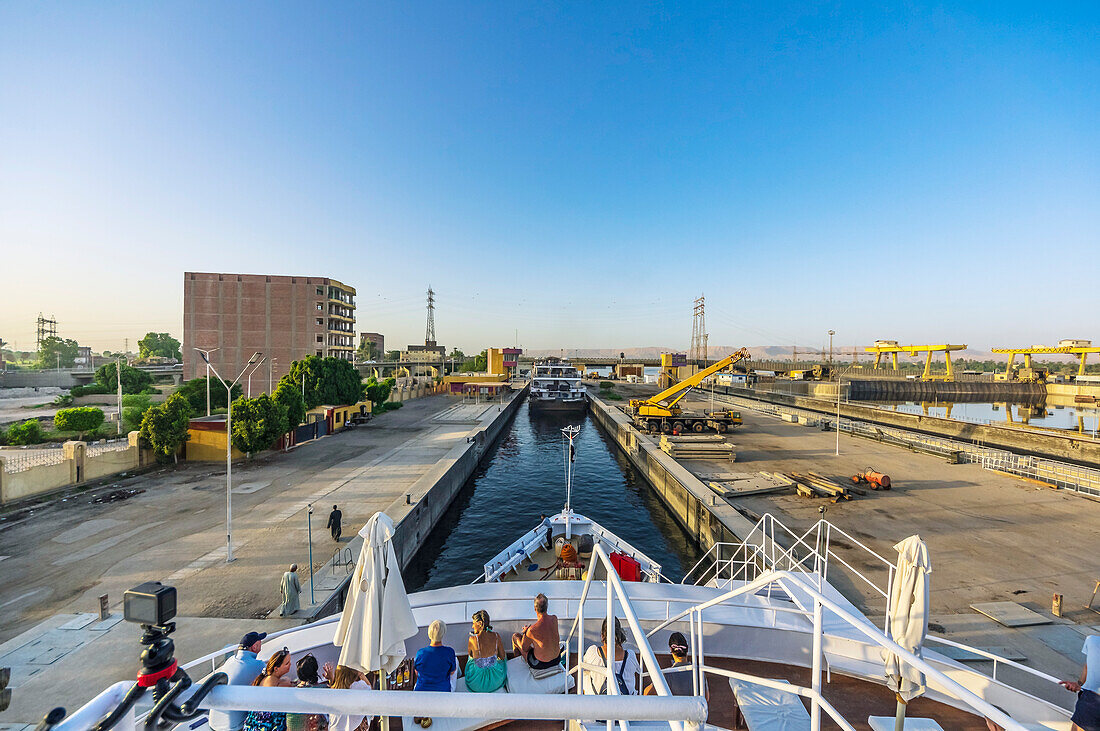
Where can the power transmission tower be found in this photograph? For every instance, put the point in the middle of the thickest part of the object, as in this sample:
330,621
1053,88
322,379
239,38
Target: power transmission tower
46,328
698,350
429,331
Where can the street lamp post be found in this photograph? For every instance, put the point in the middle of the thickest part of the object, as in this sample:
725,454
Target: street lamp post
309,529
831,334
206,357
249,391
839,383
229,450
118,383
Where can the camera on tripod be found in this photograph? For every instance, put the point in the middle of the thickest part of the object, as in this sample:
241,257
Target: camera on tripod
151,603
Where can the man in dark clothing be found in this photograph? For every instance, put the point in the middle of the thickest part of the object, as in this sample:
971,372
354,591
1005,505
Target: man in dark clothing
334,523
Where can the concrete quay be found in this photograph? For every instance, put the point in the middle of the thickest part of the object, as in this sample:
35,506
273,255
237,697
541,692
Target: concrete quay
58,557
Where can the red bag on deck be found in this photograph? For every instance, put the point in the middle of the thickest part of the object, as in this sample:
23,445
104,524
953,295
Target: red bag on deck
627,567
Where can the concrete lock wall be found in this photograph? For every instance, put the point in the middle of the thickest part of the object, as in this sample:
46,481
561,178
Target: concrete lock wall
432,494
37,379
76,467
692,504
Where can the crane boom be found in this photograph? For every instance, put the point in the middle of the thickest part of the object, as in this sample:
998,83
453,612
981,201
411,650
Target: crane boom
653,405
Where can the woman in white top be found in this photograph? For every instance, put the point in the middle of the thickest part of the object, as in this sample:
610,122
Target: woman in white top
628,674
348,678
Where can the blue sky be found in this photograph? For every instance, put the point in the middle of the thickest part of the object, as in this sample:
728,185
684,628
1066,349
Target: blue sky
574,172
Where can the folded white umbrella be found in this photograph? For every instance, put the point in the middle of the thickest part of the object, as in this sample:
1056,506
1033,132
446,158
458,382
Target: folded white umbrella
377,618
908,620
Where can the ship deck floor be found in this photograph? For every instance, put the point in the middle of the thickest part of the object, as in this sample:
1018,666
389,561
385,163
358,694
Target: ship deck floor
854,699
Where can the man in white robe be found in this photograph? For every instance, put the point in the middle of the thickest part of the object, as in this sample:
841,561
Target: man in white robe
291,589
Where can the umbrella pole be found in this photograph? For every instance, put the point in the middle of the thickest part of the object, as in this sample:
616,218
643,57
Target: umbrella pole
899,716
382,686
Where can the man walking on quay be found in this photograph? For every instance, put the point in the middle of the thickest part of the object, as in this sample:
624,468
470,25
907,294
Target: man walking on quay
291,590
334,523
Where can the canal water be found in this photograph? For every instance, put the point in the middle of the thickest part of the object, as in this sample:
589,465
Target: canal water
1083,419
524,479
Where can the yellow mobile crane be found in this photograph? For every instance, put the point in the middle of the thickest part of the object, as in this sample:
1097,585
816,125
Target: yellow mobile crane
661,412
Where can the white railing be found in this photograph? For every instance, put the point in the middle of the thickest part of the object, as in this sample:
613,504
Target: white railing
24,460
615,590
94,450
809,553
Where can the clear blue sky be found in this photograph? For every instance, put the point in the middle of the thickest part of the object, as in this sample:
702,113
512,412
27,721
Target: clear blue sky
577,172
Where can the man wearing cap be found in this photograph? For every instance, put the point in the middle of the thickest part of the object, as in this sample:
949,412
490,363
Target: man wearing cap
242,669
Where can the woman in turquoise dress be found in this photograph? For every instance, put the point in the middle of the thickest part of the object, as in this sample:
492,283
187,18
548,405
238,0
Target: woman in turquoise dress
486,668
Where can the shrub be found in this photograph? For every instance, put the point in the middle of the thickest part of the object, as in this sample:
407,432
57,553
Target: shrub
90,389
606,385
29,432
139,400
65,399
80,419
257,423
164,427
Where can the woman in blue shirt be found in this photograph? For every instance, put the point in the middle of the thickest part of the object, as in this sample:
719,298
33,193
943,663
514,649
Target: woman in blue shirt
436,665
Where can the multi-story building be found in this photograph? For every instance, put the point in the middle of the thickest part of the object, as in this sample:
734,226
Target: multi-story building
377,341
284,318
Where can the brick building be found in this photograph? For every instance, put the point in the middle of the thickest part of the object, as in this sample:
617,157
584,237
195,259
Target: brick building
377,340
284,318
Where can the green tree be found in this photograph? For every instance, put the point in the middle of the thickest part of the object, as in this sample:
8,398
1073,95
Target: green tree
477,364
164,427
290,398
257,423
52,347
393,355
377,392
80,419
195,393
457,355
29,432
134,380
160,345
332,381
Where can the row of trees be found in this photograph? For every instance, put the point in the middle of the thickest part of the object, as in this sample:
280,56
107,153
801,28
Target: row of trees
259,422
55,351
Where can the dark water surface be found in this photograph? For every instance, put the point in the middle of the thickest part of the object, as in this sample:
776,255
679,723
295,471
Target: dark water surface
524,479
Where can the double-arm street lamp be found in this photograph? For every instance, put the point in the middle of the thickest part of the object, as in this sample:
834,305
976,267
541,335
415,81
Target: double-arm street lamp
253,361
206,357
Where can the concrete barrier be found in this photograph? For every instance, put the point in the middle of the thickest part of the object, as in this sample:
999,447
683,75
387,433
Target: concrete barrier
706,517
35,472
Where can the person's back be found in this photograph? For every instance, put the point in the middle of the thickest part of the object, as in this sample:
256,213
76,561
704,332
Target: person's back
680,683
539,643
436,663
242,668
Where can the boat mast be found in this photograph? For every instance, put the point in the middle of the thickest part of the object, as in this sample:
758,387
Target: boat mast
570,433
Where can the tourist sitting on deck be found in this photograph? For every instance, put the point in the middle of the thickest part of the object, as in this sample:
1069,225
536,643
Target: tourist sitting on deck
309,677
567,559
346,678
436,665
539,643
274,675
679,682
486,669
627,672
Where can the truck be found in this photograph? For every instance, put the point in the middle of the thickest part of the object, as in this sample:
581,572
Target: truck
662,413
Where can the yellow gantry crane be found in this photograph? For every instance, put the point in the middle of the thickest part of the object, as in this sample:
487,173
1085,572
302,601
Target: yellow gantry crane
663,412
891,348
1080,348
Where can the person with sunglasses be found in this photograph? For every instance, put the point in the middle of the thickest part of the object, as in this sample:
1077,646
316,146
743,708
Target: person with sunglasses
309,677
274,675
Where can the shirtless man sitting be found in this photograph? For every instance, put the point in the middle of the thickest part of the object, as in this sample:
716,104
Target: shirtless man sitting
540,642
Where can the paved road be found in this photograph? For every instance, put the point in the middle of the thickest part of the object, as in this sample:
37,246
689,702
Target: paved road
61,557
